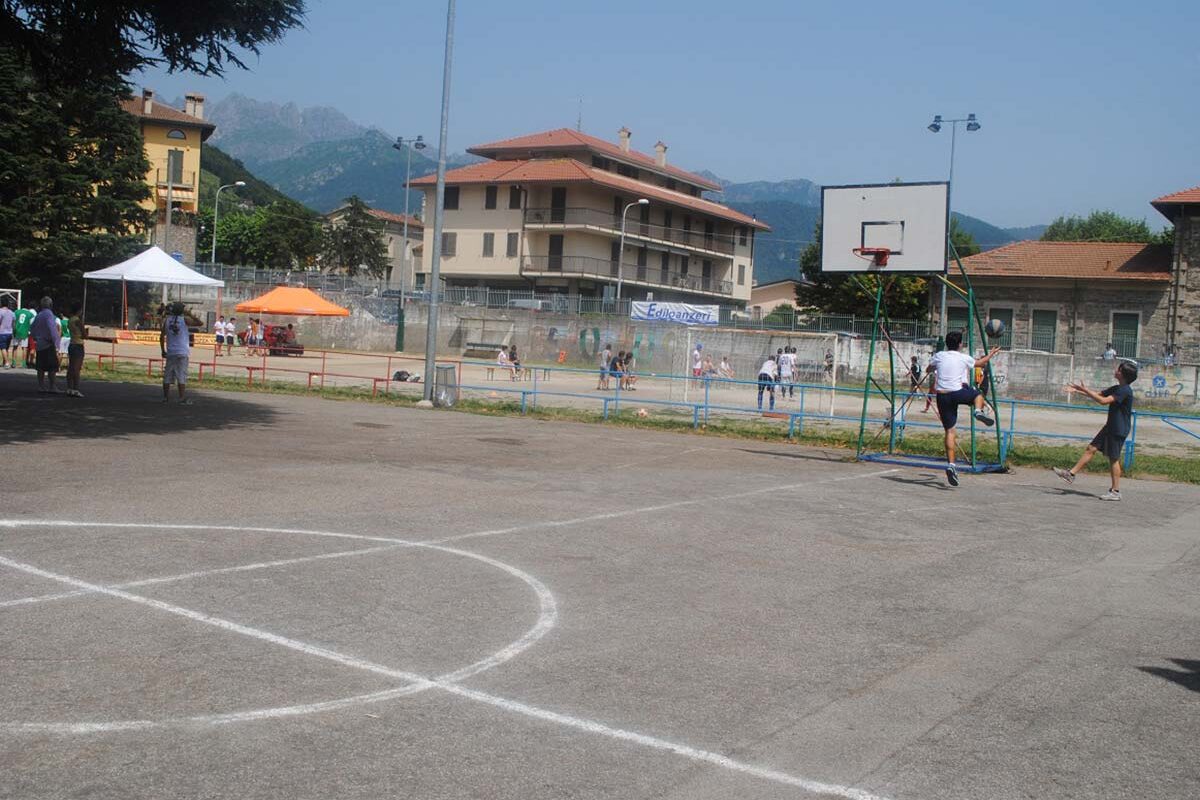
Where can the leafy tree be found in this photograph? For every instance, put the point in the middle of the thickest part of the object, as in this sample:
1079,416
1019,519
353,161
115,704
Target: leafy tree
1099,226
906,296
781,316
288,235
355,243
81,41
72,177
964,243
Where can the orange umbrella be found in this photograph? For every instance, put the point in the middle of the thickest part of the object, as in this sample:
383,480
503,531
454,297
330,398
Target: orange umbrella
292,301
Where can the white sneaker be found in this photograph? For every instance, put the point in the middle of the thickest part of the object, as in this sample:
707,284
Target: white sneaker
952,475
1111,495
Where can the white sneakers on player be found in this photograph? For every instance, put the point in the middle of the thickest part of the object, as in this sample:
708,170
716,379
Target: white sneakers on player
1111,494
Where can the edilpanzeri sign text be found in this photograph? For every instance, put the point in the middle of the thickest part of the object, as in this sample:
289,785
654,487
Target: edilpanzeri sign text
683,313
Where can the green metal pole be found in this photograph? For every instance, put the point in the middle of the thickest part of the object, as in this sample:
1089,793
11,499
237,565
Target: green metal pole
862,421
971,352
892,370
983,337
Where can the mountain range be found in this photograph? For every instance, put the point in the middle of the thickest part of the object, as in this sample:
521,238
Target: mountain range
319,156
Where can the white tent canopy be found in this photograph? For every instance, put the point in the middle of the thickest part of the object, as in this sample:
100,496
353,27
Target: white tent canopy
153,266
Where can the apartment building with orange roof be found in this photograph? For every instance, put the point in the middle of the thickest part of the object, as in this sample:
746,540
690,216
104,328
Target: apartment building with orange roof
544,213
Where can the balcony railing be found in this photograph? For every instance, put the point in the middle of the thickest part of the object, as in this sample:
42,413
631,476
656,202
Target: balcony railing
604,269
634,227
185,181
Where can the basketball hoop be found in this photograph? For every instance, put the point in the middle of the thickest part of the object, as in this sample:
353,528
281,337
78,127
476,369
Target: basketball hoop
878,255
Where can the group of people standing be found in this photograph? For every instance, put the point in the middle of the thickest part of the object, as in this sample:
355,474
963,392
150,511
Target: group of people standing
620,367
780,369
227,335
44,339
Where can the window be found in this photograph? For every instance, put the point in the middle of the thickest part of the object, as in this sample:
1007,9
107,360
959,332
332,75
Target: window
451,202
683,265
555,261
489,245
449,244
628,171
1005,315
665,267
618,207
420,281
956,318
601,163
615,257
644,218
641,263
514,197
511,248
741,274
671,184
1126,328
175,133
706,274
1043,330
667,224
743,233
175,166
489,196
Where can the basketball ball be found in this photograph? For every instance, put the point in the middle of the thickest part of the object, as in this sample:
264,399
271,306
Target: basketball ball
994,328
643,413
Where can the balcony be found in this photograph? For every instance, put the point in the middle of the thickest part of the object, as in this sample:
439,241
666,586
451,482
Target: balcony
604,270
595,219
181,182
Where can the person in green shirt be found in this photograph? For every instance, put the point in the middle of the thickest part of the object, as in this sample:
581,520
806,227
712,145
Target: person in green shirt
22,320
75,331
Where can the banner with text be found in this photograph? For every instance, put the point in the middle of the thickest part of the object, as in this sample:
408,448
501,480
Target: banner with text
683,313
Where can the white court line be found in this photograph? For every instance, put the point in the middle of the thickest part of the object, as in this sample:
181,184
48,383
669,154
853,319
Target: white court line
419,683
286,562
660,458
629,512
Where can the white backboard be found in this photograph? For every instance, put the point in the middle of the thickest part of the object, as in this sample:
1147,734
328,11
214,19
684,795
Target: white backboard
907,218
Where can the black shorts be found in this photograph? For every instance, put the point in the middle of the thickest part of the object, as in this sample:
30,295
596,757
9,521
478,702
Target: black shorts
1111,446
47,360
948,403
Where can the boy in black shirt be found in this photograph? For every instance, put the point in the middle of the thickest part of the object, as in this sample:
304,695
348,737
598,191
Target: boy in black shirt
1111,438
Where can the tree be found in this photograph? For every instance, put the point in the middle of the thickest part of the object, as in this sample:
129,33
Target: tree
964,243
288,235
72,178
84,41
905,296
1099,226
355,243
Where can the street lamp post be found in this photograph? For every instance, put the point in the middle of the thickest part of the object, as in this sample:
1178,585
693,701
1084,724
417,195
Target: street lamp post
621,250
217,214
408,145
439,200
972,125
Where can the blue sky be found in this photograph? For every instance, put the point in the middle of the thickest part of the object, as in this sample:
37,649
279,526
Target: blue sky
1084,105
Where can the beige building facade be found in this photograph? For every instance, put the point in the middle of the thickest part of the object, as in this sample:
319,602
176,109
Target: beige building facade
766,297
545,213
403,255
172,140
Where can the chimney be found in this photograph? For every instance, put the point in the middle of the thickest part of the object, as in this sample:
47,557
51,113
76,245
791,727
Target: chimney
624,135
193,105
660,153
147,101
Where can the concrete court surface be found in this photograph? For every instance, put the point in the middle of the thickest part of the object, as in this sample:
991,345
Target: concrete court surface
270,597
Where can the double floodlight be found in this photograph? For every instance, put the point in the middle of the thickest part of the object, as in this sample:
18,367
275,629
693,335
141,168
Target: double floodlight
417,143
936,125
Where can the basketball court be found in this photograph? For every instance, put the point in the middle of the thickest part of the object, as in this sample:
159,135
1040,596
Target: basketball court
266,596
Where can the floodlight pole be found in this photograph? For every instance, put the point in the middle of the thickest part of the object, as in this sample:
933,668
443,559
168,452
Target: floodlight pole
935,127
435,258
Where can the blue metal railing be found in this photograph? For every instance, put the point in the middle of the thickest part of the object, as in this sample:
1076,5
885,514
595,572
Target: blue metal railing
703,405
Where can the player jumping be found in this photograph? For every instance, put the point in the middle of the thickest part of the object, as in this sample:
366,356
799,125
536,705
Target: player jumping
952,371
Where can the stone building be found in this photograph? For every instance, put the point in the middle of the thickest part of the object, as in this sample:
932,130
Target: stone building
1076,297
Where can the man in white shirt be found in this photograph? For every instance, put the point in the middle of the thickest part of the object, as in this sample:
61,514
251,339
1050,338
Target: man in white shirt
787,372
697,361
174,340
953,373
766,380
605,359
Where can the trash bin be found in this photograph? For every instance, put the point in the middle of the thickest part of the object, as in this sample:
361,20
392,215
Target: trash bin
445,386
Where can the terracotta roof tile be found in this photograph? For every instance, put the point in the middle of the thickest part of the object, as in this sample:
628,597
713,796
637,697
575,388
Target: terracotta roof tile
388,216
566,139
161,112
1084,260
1186,196
567,170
